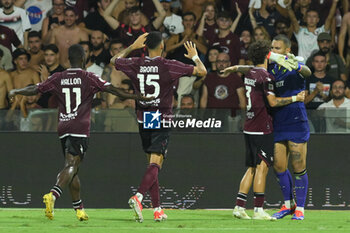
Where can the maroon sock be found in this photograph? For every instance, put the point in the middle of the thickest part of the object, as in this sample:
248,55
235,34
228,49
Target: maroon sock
241,200
259,199
150,176
154,192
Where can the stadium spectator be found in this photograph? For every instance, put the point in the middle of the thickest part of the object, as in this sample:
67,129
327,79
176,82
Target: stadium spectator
212,55
90,66
307,36
226,39
175,49
208,27
223,91
74,123
172,22
67,35
246,40
317,90
261,34
115,77
99,55
301,8
37,10
6,61
95,21
335,111
35,50
122,103
129,33
81,8
5,86
28,103
8,38
16,19
23,76
121,11
195,6
155,141
53,20
51,66
342,46
187,102
335,65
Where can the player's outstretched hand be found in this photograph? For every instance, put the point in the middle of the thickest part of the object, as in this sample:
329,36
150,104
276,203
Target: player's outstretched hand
301,96
12,94
144,98
139,43
229,70
191,49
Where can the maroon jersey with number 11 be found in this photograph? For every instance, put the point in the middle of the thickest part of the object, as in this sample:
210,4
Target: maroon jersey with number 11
74,90
258,84
154,77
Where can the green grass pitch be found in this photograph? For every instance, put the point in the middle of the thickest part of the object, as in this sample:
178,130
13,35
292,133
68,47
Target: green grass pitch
120,220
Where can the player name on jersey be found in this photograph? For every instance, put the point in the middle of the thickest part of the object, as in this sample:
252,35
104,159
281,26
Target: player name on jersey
148,69
249,81
71,81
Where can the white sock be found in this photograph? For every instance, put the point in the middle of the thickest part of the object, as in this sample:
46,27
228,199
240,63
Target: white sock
240,207
258,209
300,209
287,204
139,196
157,209
53,197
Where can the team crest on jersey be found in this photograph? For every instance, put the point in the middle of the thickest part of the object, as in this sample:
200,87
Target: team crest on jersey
228,42
221,92
3,36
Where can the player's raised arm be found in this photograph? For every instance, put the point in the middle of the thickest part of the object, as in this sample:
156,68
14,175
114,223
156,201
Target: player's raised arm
234,69
27,91
121,93
282,101
139,43
199,69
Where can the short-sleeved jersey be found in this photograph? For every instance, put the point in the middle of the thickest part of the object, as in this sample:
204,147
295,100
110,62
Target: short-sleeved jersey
18,20
222,92
258,84
74,90
288,83
8,37
154,77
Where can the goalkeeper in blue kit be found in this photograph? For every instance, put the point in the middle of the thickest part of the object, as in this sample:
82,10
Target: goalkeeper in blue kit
291,129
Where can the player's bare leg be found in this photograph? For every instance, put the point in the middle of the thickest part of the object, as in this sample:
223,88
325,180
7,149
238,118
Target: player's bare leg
71,166
74,188
259,192
284,179
244,187
297,152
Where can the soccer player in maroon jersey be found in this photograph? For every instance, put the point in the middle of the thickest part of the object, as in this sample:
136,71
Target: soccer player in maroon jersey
74,89
154,76
258,128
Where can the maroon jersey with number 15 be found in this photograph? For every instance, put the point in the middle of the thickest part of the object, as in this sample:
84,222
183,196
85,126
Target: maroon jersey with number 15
154,77
258,84
74,90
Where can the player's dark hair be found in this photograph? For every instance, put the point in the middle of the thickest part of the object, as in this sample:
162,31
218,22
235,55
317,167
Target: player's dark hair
69,8
76,54
258,51
153,39
86,43
51,47
1,53
134,9
32,34
189,13
115,41
283,38
319,53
